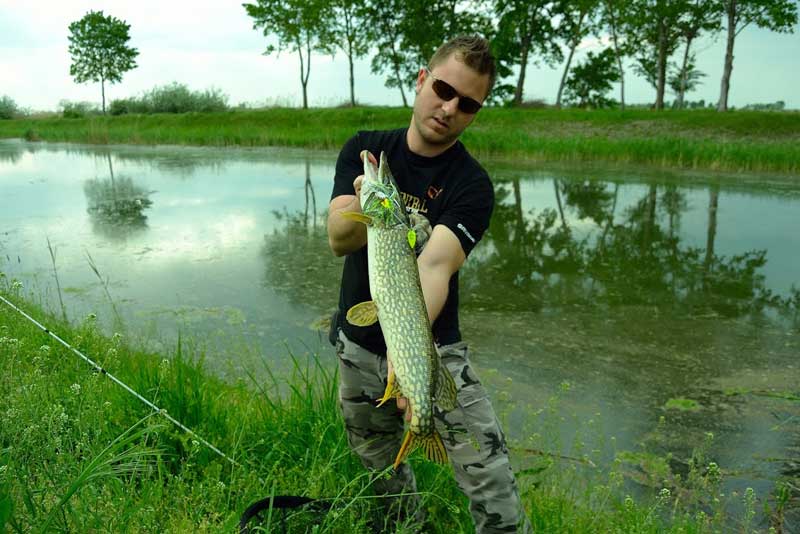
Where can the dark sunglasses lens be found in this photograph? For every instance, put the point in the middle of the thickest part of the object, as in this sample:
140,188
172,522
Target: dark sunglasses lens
444,90
468,105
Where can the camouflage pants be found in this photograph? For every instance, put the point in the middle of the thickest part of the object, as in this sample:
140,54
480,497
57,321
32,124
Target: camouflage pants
471,433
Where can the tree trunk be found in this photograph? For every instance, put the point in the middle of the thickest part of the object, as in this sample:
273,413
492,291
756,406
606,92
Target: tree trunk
682,90
302,78
352,80
564,75
526,42
713,204
103,91
398,77
725,85
662,64
560,206
575,42
618,55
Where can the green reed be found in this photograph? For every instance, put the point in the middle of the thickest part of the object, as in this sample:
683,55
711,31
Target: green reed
78,453
700,139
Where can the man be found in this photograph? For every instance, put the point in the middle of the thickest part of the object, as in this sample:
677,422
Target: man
438,178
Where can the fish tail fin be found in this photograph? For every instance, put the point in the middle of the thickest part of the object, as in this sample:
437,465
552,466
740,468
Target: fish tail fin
432,445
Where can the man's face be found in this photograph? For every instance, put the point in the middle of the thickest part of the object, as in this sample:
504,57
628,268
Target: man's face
438,121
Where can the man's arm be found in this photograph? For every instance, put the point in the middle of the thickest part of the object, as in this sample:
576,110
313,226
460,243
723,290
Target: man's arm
439,261
344,235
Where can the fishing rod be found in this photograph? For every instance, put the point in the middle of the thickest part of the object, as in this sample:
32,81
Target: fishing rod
122,384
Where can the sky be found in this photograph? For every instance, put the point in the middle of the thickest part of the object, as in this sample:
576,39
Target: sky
212,44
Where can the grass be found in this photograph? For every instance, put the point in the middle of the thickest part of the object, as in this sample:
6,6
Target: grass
697,139
79,454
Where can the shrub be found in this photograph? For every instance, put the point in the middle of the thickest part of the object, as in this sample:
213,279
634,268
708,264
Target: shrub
8,108
77,110
172,98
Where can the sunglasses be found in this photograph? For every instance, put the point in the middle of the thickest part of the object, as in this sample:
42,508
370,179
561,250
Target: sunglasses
447,92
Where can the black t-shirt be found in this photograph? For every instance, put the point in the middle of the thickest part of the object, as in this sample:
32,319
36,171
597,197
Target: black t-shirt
450,189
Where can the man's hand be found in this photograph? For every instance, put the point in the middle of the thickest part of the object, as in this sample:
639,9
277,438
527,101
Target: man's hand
402,402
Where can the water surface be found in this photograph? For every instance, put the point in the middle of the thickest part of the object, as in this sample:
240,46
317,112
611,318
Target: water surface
653,308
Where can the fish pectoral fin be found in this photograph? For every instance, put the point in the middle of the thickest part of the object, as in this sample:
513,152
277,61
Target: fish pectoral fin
446,390
432,446
357,217
392,389
363,314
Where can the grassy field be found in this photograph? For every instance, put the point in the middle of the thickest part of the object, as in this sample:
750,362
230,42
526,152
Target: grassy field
698,139
80,454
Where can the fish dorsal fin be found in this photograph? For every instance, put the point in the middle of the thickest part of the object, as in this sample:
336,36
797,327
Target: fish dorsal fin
446,391
363,314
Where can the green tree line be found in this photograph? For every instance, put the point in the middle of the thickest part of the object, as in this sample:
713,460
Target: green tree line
400,36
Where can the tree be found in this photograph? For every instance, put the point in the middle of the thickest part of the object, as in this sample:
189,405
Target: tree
301,26
8,108
613,16
385,31
591,80
406,33
99,48
348,33
525,29
576,23
655,23
700,15
775,15
685,80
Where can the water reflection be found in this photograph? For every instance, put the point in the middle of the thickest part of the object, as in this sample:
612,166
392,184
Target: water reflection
297,260
631,258
116,205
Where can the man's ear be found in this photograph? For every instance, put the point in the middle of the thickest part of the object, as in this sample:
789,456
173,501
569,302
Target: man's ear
420,79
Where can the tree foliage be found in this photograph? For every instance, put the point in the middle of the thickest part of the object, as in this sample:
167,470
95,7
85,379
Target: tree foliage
301,26
99,48
406,33
774,15
8,108
525,30
592,79
348,33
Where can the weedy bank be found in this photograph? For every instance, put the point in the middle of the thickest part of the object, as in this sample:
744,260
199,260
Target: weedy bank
79,453
750,141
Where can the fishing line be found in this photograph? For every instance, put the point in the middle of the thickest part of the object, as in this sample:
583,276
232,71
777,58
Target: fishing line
122,384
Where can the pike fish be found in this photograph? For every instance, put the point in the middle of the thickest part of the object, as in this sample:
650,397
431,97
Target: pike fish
398,303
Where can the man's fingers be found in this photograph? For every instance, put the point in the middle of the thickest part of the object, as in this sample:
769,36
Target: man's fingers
372,158
357,183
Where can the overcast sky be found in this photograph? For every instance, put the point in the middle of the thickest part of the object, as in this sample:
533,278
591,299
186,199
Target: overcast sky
211,43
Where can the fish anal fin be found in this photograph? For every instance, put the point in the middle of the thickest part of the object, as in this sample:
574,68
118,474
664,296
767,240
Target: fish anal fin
363,314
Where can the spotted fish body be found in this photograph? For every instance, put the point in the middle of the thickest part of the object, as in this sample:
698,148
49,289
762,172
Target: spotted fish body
398,302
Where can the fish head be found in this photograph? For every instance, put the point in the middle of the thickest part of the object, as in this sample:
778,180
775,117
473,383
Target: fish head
380,196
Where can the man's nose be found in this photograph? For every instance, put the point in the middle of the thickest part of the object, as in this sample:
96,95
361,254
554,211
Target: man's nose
450,106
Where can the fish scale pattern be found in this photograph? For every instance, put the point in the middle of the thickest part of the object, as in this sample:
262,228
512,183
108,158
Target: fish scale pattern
397,293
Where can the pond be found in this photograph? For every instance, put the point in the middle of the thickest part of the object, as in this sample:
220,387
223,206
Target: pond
654,309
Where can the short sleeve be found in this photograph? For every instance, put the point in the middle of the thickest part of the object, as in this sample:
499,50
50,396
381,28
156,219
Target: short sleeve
467,215
348,166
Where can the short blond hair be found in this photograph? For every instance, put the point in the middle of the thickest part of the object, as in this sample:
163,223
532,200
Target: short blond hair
472,50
